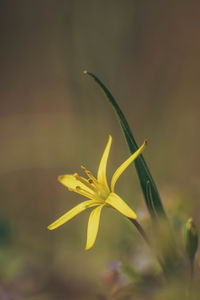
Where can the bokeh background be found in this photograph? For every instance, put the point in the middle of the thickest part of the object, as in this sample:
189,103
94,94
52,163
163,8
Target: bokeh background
54,119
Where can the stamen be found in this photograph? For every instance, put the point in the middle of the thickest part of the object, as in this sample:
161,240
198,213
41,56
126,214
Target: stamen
85,193
90,175
100,188
85,182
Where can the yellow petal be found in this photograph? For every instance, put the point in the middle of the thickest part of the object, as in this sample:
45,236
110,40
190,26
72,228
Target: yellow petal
101,174
72,213
93,226
116,202
71,182
123,167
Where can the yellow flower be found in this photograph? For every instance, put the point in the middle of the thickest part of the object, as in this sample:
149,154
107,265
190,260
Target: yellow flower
99,193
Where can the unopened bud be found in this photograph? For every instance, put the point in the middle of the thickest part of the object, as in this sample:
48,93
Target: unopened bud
191,239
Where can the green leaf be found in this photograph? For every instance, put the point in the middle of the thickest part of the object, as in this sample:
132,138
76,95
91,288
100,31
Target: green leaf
151,195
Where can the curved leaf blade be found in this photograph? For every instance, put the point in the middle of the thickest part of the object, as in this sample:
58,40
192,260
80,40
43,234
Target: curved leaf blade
151,194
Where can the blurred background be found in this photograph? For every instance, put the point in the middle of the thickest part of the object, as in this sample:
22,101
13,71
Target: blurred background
53,119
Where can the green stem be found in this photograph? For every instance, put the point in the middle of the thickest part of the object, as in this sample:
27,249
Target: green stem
191,270
191,280
141,231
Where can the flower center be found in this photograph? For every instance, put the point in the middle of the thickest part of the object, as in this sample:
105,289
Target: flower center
97,188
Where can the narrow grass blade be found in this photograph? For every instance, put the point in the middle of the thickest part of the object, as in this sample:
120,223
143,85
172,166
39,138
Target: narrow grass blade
151,195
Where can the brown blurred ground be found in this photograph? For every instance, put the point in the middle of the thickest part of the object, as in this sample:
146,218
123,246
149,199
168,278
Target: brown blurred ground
53,119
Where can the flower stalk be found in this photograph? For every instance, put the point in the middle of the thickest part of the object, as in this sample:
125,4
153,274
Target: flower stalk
140,230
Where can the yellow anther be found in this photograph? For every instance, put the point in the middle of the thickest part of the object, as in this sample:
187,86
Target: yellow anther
85,182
